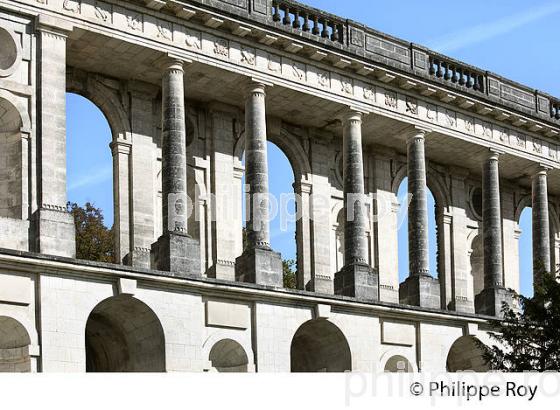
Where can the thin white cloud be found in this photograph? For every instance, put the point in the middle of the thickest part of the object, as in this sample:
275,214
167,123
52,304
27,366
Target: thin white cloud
98,176
481,32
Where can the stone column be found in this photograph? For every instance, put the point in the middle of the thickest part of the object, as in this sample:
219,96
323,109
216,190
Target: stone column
258,263
121,191
420,288
54,226
356,278
489,301
175,251
541,224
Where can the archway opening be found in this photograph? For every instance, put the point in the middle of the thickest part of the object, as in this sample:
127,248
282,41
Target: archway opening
320,346
466,355
477,265
11,162
526,252
124,335
433,243
283,209
228,356
398,364
14,346
339,241
90,175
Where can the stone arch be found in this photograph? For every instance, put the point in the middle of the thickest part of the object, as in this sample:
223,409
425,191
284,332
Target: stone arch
91,87
228,356
466,355
234,336
476,258
398,364
320,346
524,202
14,147
123,334
14,346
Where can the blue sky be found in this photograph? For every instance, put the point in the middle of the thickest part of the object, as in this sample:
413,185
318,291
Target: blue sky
513,38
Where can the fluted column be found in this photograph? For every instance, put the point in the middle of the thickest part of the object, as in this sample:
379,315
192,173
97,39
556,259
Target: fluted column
256,167
175,250
173,150
492,223
418,252
490,300
541,227
355,246
258,263
356,278
420,288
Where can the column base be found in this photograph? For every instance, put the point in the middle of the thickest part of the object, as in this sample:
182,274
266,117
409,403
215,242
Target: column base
260,266
138,258
357,280
420,290
489,301
176,253
55,232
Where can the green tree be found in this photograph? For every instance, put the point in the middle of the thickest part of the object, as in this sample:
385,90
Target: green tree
94,241
289,271
528,338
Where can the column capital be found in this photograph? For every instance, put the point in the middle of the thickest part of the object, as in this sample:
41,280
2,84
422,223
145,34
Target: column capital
53,25
416,132
494,154
539,169
351,114
256,86
171,62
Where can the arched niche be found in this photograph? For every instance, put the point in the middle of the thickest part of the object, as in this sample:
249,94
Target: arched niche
14,346
398,364
228,356
320,346
466,355
124,335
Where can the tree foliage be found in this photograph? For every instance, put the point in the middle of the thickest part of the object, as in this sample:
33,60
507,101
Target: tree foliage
94,241
289,271
528,338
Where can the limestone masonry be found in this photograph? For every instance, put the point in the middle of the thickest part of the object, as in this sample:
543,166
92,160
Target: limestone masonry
189,88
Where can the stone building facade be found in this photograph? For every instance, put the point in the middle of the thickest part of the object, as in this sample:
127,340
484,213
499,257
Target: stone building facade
189,88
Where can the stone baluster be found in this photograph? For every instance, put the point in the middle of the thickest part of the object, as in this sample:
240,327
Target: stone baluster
541,227
175,251
489,301
258,263
356,278
420,289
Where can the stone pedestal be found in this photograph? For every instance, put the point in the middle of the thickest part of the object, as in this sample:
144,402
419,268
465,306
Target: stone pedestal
489,301
322,284
421,290
260,266
357,280
55,232
176,253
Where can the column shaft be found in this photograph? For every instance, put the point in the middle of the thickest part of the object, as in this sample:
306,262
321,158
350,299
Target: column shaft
256,168
491,223
418,207
174,160
355,246
541,227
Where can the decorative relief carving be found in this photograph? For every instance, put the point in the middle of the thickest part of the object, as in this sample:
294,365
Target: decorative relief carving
72,6
369,93
469,124
103,11
297,71
346,86
134,21
248,56
412,105
165,31
42,1
486,131
324,79
504,137
192,40
537,146
450,118
221,47
520,140
552,152
274,63
431,112
391,99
